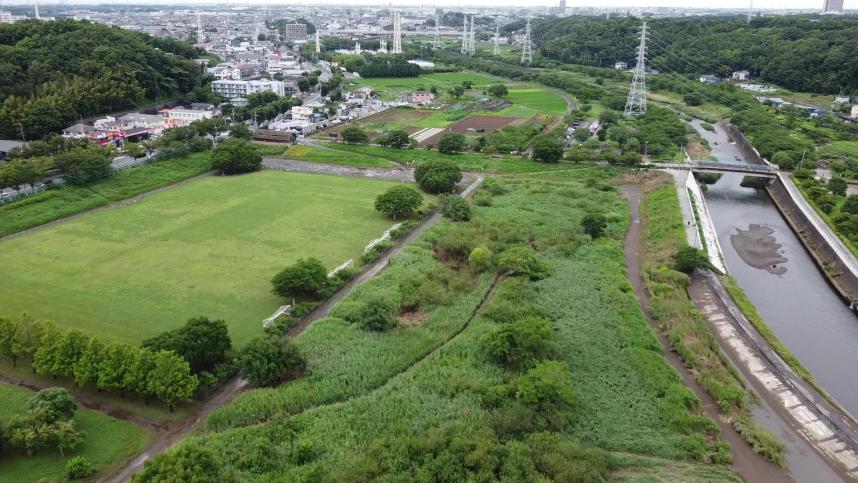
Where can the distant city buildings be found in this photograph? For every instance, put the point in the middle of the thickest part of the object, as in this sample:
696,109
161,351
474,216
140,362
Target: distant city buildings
296,32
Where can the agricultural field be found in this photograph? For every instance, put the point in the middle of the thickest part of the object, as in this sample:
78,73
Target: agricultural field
389,88
106,442
538,98
205,248
326,155
425,398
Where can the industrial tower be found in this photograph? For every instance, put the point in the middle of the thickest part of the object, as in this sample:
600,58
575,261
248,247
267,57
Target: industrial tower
397,34
497,38
436,42
636,101
527,49
472,38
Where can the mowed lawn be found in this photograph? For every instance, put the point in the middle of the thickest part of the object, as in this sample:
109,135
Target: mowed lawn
208,248
538,98
106,442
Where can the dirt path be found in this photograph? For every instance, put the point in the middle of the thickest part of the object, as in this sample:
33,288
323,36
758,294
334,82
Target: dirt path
749,465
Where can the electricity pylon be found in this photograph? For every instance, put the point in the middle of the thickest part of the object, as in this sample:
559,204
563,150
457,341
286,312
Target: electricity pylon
636,101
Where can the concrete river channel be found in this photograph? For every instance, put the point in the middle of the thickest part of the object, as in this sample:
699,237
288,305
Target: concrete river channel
791,294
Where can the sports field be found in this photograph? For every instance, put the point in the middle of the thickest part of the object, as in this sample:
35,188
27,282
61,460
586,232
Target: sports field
106,441
206,248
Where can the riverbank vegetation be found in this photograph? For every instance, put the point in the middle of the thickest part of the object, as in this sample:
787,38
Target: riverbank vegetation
684,325
508,346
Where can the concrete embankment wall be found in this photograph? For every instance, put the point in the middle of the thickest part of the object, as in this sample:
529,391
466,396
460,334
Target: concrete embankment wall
836,271
749,152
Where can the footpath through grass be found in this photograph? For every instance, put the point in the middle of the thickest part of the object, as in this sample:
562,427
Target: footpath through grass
65,201
441,413
207,248
106,442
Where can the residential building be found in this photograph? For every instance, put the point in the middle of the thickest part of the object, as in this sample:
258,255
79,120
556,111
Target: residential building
6,147
854,113
181,116
135,120
741,75
842,99
243,88
7,17
272,136
422,97
620,65
710,79
224,72
302,113
78,131
295,32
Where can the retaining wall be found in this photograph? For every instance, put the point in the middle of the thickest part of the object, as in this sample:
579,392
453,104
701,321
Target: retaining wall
836,271
749,152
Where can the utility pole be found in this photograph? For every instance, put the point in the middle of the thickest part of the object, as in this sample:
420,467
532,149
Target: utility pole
636,100
436,42
397,34
527,48
497,38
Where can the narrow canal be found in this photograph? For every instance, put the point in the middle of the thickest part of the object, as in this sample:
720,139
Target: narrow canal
783,282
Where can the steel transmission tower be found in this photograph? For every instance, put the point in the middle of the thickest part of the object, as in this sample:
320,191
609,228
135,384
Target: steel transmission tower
397,34
436,42
472,38
497,38
318,43
465,37
636,101
527,48
200,32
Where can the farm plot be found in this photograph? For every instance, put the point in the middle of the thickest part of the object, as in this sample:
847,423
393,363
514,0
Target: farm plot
487,124
206,248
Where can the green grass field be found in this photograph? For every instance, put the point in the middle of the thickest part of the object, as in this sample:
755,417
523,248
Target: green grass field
327,156
206,248
538,98
442,81
106,442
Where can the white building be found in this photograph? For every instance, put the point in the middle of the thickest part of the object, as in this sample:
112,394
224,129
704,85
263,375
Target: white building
620,65
181,116
842,99
302,113
243,88
741,75
854,114
224,72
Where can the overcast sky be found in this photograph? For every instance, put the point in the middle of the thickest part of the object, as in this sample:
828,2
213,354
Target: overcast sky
758,4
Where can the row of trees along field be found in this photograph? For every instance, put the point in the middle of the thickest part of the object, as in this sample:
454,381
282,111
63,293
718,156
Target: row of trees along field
54,73
801,53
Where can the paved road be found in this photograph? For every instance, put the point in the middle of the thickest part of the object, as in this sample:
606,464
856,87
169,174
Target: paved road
821,226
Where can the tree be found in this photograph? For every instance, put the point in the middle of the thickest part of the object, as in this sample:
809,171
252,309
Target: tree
354,135
87,367
56,402
452,143
239,131
137,376
594,224
467,84
70,347
30,430
171,379
265,360
582,134
235,156
837,185
455,208
84,165
481,259
202,342
456,91
399,201
547,149
438,176
66,436
693,99
497,90
547,391
521,344
304,84
307,278
135,150
46,352
850,205
115,363
687,259
522,260
188,463
395,139
11,339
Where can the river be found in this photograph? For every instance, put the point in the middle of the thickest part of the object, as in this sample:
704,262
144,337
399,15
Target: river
783,282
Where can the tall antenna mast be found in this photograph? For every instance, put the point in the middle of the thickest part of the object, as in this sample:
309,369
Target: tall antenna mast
436,42
397,34
472,38
636,101
497,38
527,49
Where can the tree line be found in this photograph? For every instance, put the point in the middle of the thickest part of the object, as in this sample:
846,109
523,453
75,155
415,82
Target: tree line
89,361
54,73
805,53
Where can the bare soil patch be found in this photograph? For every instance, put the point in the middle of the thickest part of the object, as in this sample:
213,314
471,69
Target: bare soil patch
487,123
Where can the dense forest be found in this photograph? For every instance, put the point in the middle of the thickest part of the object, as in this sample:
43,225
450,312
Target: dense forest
52,73
817,54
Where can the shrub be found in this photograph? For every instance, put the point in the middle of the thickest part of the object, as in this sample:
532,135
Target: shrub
687,259
594,225
455,208
202,342
78,468
395,139
399,201
548,149
354,135
378,314
375,252
493,186
438,176
521,344
481,260
483,198
305,278
190,462
522,260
